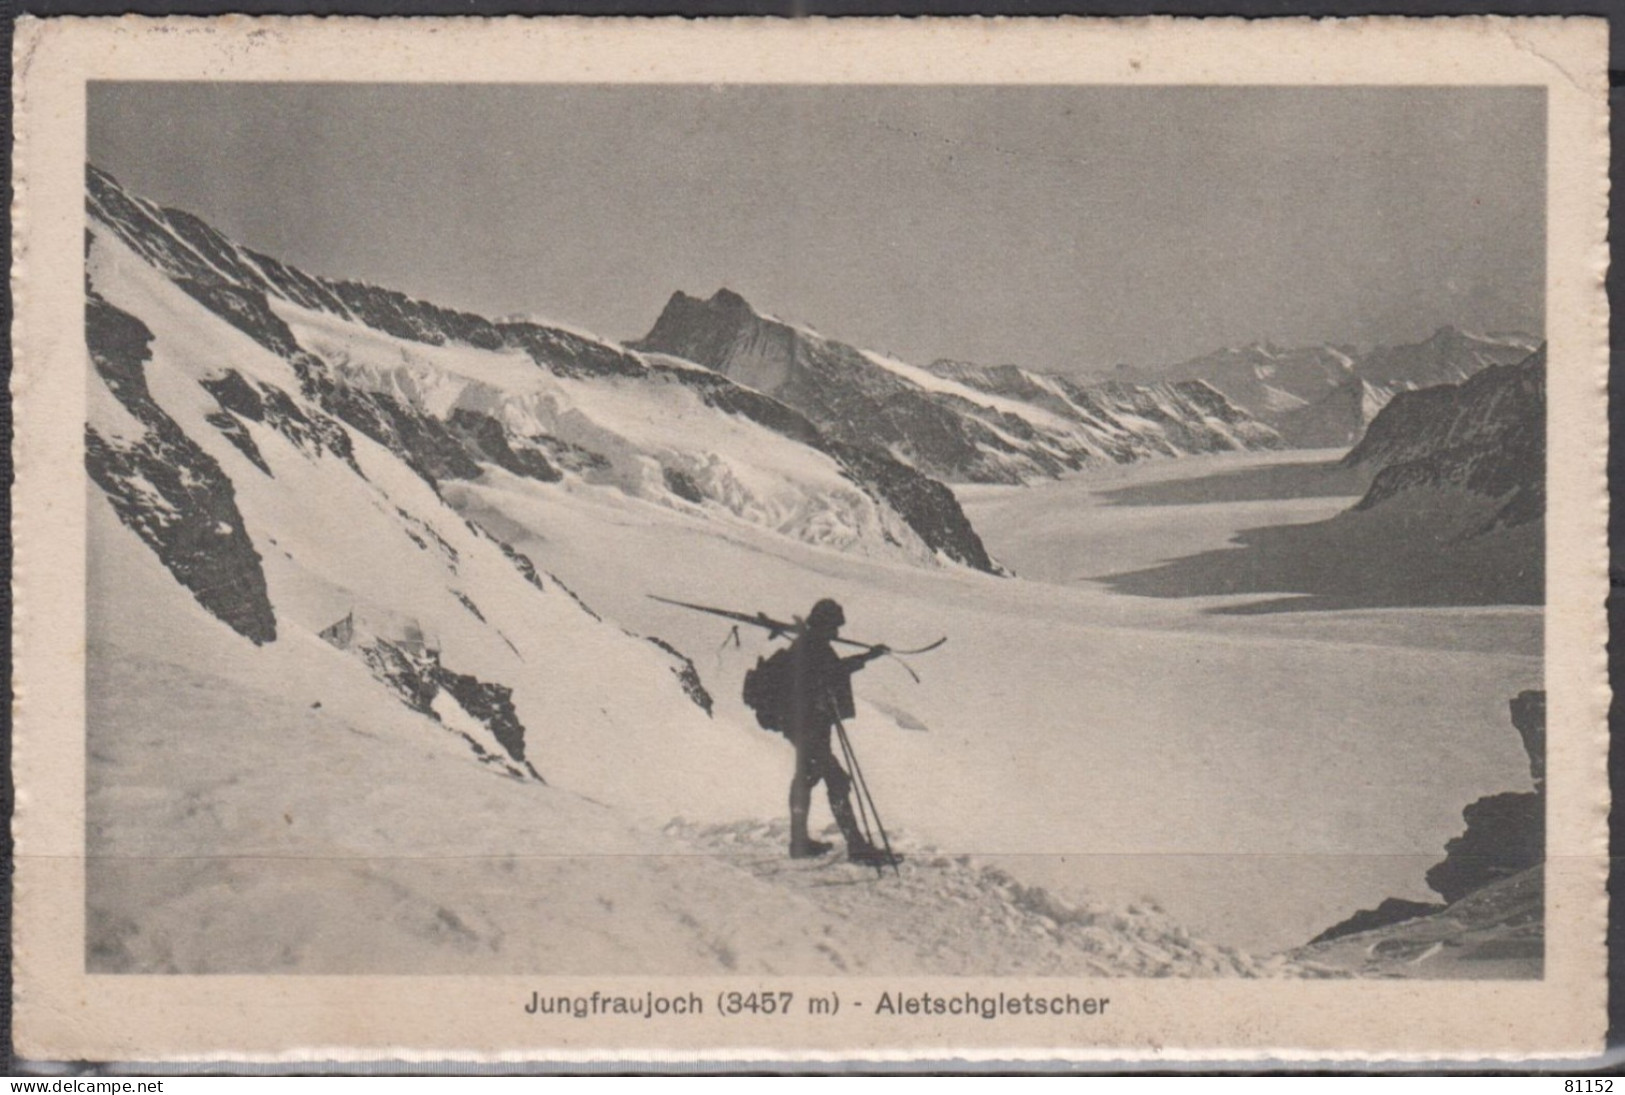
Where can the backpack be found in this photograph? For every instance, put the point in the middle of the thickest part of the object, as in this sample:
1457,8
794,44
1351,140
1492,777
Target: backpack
767,689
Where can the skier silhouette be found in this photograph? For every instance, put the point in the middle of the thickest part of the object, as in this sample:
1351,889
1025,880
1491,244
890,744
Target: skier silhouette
820,693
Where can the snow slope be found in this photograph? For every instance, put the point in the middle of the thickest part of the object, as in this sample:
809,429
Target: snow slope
1261,776
258,809
272,809
335,538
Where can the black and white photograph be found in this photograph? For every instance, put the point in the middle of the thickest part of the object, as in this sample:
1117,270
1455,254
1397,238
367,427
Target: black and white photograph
1074,533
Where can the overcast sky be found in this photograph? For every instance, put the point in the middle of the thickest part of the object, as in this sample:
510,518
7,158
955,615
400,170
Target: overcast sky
1062,228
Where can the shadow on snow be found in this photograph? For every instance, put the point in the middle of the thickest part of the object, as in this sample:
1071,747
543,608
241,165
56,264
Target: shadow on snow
1387,557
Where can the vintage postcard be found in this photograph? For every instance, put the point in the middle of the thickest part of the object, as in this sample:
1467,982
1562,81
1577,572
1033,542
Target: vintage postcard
560,540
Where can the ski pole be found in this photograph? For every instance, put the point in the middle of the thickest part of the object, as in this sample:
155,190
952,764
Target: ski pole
863,789
851,767
859,793
885,841
863,810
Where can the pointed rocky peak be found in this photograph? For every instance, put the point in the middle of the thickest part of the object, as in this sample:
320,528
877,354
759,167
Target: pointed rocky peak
726,300
688,320
724,304
679,303
726,334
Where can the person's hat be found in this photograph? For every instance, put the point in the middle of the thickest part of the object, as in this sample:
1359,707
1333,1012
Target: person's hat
826,615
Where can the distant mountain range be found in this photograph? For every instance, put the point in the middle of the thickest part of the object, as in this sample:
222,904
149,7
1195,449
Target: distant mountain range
1324,395
953,421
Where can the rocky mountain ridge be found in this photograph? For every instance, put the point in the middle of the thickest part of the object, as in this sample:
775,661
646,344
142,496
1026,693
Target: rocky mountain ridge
957,422
447,424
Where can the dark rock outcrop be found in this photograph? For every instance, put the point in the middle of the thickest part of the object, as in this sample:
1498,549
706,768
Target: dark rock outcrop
232,429
680,483
1393,910
489,439
167,490
1496,932
1485,437
410,667
314,434
686,675
491,704
929,507
1505,839
1529,718
1505,835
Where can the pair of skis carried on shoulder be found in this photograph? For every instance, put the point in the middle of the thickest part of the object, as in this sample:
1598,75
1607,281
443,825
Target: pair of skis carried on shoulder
777,629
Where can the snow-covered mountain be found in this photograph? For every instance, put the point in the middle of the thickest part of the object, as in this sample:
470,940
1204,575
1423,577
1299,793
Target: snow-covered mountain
953,421
332,724
453,394
1324,395
295,530
1484,438
301,654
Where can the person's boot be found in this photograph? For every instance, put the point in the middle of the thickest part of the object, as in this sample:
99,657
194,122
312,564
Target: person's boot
803,846
870,856
858,847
